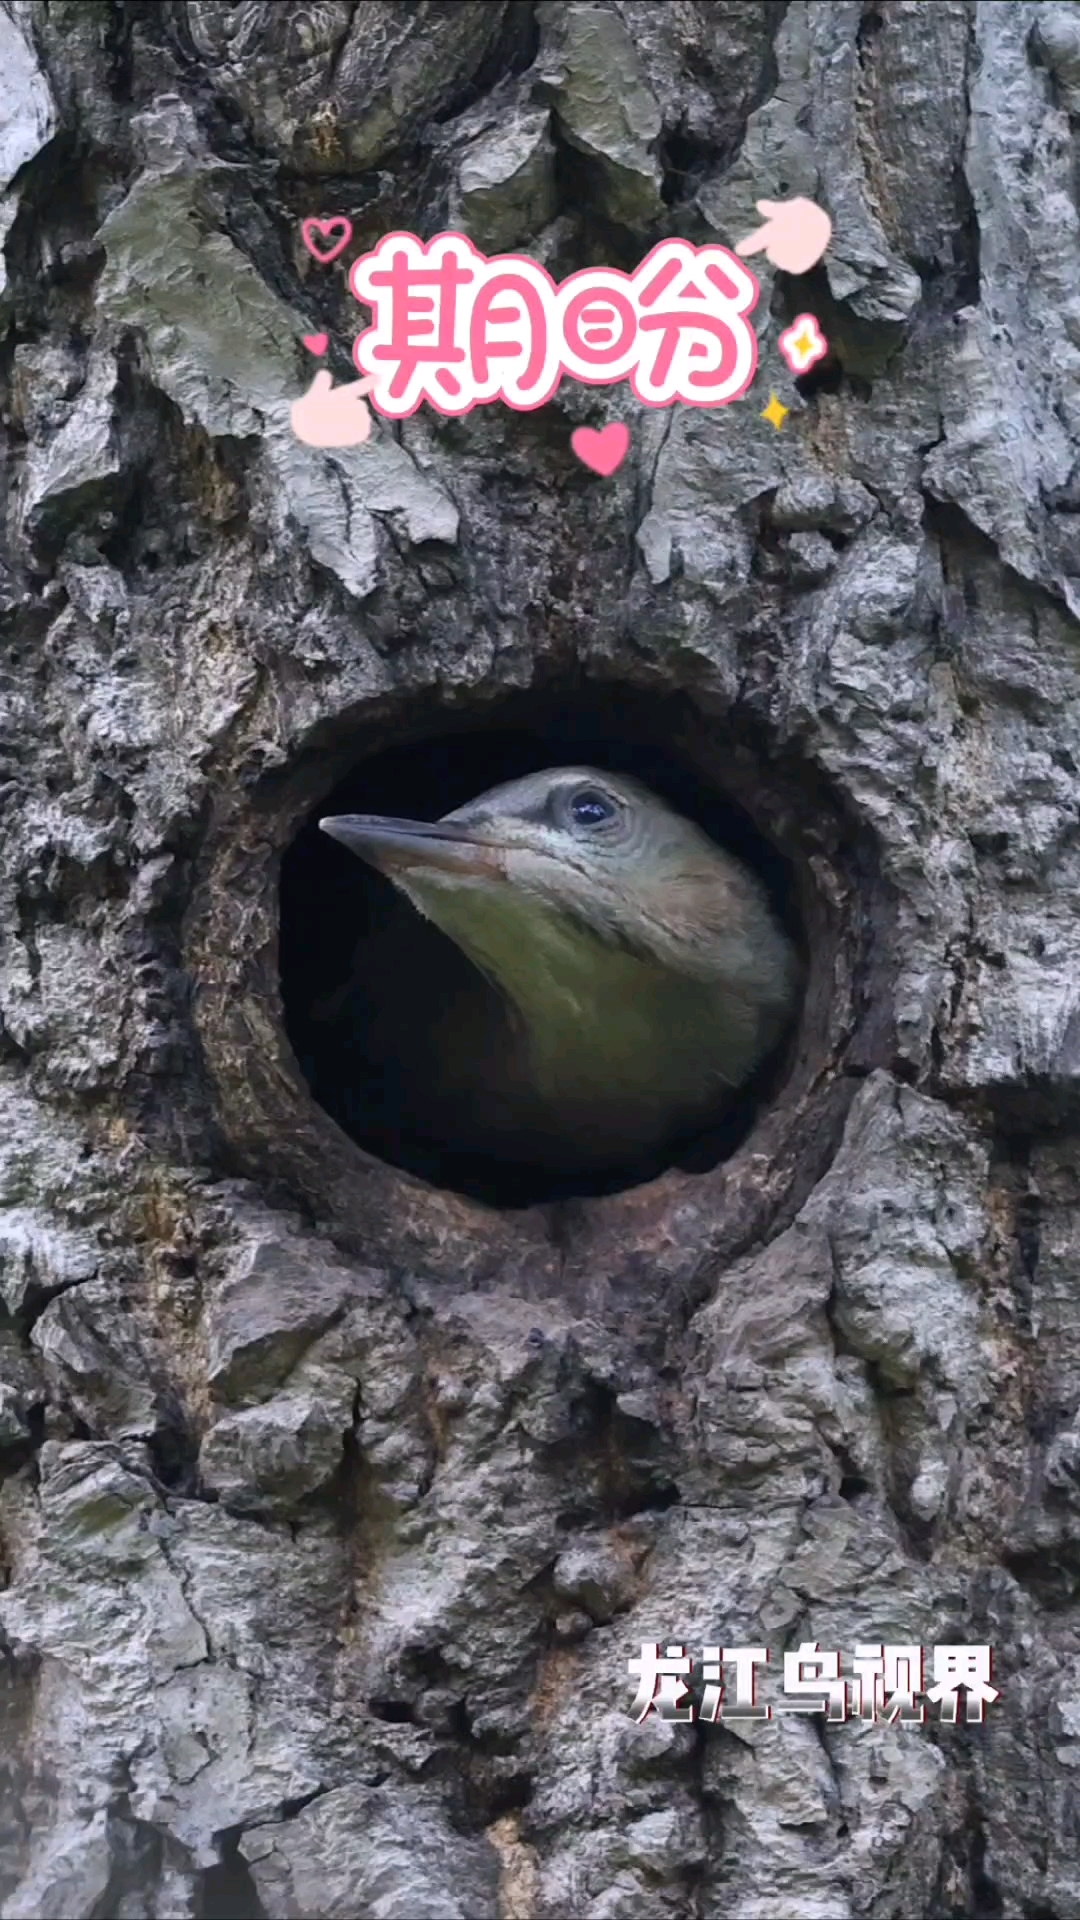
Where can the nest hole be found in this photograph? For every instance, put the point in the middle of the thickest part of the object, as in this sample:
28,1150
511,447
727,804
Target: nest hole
368,985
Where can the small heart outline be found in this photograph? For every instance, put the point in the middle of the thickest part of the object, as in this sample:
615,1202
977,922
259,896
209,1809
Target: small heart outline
336,222
602,449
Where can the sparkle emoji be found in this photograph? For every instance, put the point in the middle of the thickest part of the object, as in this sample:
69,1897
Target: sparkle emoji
802,343
775,413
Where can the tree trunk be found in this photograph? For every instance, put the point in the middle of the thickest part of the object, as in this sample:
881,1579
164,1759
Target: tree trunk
336,1500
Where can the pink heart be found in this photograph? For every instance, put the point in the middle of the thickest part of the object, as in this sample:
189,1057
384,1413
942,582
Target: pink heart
327,228
602,451
316,342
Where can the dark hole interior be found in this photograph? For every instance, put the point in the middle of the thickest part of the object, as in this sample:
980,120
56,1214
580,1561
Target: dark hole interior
366,980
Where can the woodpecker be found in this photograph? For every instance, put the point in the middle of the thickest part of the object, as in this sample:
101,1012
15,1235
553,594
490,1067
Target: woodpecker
642,972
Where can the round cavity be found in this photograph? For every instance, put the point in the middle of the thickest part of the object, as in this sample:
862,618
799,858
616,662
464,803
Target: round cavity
373,994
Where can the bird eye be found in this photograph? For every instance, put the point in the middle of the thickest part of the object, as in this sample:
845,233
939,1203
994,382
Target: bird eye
590,808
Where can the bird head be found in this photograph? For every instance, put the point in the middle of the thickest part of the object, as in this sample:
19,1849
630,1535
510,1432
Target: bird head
551,881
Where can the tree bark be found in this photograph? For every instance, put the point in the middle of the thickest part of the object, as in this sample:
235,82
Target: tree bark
334,1503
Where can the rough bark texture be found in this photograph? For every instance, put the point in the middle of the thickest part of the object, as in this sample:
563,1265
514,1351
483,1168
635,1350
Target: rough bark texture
333,1505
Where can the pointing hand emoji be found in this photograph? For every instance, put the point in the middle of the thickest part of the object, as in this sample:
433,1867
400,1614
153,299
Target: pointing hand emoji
794,237
329,416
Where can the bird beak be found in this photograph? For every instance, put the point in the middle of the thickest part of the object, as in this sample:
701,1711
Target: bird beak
405,846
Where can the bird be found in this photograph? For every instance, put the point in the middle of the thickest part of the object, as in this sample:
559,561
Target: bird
640,973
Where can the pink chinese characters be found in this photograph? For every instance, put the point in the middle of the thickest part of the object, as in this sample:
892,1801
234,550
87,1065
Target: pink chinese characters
459,330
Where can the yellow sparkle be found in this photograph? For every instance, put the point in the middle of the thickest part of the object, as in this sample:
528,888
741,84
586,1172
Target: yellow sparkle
775,413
